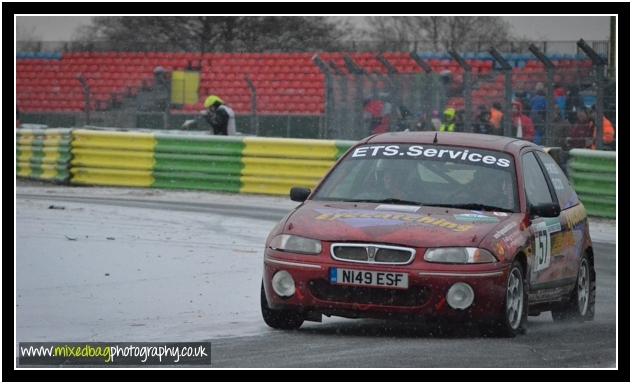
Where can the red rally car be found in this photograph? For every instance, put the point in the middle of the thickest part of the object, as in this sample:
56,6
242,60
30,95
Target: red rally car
425,225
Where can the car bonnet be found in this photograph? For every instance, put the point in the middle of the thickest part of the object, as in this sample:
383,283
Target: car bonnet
393,224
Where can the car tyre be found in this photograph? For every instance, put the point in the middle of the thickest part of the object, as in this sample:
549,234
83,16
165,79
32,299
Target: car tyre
580,306
279,319
514,319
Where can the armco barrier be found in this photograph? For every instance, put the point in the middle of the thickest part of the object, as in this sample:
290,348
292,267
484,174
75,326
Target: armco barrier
217,163
593,175
233,164
43,154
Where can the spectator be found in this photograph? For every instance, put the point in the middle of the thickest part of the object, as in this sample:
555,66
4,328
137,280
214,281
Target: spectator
496,117
521,124
162,88
609,101
574,104
449,120
559,90
525,104
559,129
538,112
375,117
559,95
608,131
580,133
435,121
482,124
218,115
403,118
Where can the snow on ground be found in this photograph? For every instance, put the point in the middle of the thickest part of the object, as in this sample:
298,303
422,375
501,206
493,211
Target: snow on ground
106,273
30,187
92,272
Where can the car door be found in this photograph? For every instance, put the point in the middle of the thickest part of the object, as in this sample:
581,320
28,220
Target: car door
547,273
571,239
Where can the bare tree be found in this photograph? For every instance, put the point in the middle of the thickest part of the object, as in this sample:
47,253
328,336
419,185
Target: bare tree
27,39
214,33
438,32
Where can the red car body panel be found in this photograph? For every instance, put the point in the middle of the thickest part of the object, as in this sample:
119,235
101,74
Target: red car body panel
505,235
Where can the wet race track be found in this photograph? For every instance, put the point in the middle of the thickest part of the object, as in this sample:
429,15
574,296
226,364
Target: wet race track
101,264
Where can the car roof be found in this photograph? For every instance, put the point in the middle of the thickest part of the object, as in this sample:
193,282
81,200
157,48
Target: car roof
471,140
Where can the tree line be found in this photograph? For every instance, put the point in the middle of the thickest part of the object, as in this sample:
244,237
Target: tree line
292,33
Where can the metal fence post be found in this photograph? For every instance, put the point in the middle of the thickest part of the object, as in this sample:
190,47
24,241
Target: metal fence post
86,95
392,71
599,63
358,77
467,88
328,123
254,119
425,90
550,68
506,68
341,102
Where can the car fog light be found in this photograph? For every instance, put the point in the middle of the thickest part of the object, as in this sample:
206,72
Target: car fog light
460,296
283,284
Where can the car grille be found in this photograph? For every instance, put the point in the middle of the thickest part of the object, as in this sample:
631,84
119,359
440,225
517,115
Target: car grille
411,297
372,253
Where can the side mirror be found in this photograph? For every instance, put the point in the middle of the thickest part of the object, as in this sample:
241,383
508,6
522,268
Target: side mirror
545,210
299,194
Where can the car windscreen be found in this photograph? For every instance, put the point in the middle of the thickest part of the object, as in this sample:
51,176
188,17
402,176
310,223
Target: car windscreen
424,174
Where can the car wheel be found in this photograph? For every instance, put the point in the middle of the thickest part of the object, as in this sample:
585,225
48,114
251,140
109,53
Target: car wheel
581,304
514,319
279,319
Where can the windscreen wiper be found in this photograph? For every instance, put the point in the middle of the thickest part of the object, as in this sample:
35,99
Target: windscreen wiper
477,206
384,201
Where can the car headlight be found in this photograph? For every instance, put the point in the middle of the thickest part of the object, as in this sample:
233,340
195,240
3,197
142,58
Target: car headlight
298,244
459,255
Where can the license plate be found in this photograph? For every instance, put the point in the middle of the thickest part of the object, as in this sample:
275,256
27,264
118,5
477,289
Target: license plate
368,278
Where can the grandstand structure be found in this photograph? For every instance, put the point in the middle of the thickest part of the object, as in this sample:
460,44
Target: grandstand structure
285,83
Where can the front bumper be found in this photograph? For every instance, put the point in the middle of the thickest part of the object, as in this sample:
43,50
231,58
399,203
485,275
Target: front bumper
425,296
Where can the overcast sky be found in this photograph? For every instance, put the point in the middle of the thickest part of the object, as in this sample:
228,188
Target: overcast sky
61,28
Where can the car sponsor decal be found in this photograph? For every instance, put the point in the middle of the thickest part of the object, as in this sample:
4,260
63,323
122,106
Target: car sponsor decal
543,228
551,168
505,230
396,207
439,153
552,224
562,242
370,218
474,217
542,246
557,184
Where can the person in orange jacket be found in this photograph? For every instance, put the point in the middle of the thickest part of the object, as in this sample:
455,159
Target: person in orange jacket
608,132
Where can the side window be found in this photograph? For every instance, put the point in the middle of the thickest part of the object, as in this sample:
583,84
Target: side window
535,185
563,189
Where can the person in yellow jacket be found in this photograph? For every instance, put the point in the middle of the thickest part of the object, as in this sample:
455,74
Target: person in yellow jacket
218,115
449,120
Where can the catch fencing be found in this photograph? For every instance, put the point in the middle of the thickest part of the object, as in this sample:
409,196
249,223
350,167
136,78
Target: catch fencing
235,164
560,100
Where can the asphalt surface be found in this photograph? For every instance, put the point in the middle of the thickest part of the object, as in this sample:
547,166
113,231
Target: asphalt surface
336,342
373,344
